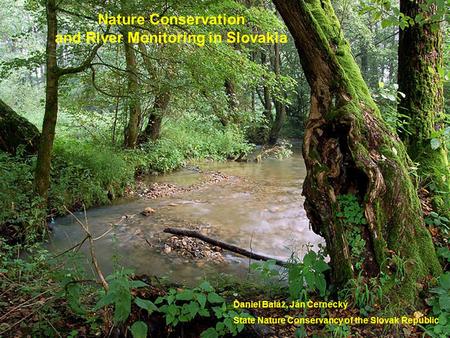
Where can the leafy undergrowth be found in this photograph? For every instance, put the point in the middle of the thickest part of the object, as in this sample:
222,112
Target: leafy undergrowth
47,296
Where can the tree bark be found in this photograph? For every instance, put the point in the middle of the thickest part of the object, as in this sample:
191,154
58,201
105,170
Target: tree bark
349,150
231,95
420,57
280,107
153,129
16,131
134,105
266,100
42,173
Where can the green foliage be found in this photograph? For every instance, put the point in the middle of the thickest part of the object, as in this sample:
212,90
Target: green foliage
139,329
365,293
339,331
431,12
19,210
351,214
439,221
184,305
350,211
267,269
444,253
191,137
86,173
303,277
119,295
51,290
308,276
387,99
440,304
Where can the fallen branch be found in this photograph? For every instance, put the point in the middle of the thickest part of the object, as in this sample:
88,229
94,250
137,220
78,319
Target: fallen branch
85,227
223,245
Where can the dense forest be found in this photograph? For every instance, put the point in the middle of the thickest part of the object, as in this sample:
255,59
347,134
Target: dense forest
246,168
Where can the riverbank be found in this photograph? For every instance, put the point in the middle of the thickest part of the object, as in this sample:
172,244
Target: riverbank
87,173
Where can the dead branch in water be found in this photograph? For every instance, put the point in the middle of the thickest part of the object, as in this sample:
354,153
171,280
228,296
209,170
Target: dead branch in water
223,245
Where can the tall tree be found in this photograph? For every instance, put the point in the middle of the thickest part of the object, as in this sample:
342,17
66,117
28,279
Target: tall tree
53,75
348,150
420,59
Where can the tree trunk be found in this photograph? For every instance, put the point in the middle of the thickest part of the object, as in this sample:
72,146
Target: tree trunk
42,173
364,62
16,131
420,57
267,97
162,98
348,150
153,129
280,108
134,105
231,96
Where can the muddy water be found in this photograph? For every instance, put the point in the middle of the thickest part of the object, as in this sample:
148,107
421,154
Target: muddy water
259,207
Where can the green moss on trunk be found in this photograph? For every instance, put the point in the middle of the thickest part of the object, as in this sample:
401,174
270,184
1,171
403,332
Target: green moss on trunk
420,61
349,150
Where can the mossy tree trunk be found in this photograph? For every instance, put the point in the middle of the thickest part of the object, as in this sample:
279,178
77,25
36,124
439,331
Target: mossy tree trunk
16,131
420,59
349,150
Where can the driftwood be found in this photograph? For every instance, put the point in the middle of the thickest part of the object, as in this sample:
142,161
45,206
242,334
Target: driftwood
223,245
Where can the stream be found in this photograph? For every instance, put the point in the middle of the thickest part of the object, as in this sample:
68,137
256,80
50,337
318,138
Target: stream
258,207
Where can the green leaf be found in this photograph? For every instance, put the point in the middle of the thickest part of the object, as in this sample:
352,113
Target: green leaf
205,286
444,302
186,294
214,298
146,305
204,312
201,298
122,307
321,285
104,301
135,284
139,330
444,281
210,333
193,309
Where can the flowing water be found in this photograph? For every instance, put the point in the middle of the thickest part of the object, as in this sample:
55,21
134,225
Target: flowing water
259,208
